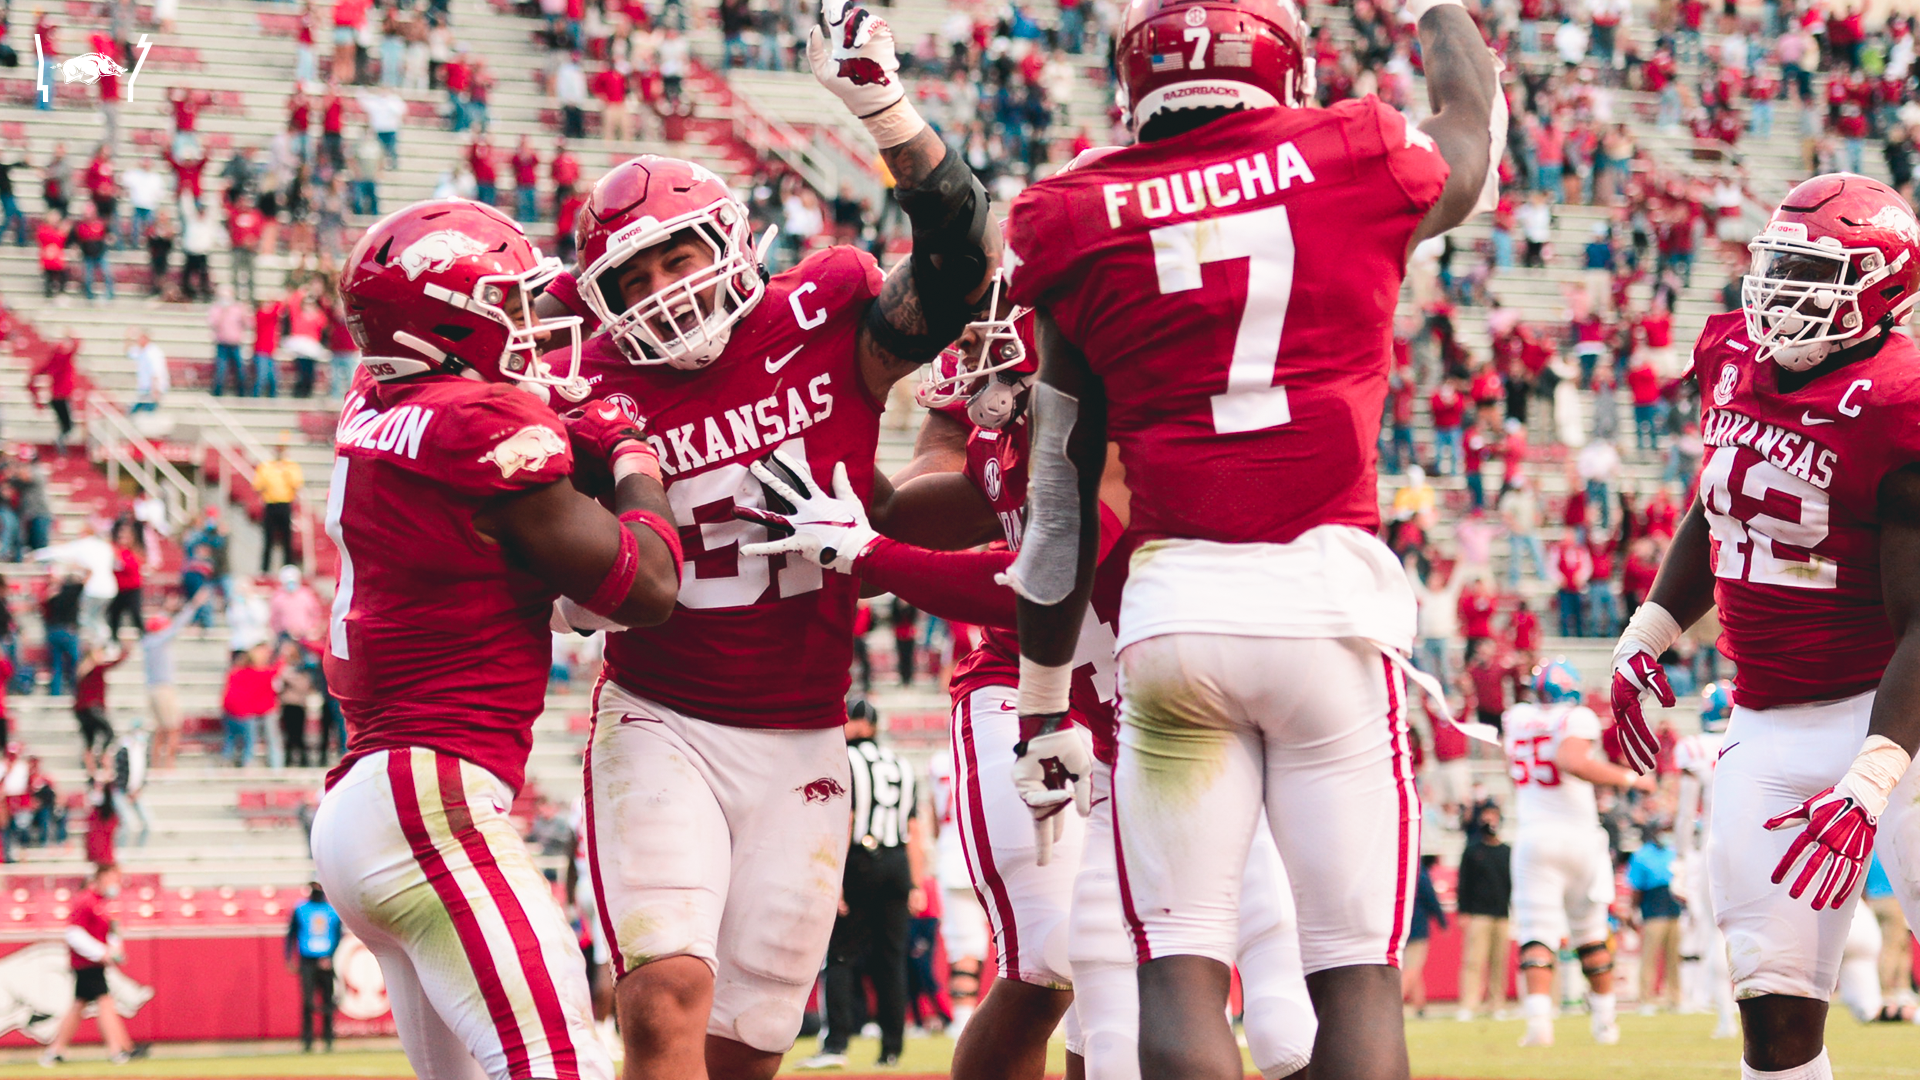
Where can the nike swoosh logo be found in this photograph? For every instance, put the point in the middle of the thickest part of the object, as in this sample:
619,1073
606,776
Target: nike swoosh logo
1724,749
629,718
1810,420
774,366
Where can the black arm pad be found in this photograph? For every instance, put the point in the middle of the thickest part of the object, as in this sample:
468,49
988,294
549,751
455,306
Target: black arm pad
949,216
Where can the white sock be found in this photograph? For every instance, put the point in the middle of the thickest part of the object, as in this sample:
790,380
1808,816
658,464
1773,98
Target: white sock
1817,1069
1537,1008
1601,1005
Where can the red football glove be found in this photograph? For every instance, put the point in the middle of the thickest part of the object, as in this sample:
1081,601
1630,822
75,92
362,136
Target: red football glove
1636,671
1839,835
603,432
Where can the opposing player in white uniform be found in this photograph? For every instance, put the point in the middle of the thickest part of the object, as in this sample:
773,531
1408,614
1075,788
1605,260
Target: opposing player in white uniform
1562,874
963,922
1706,983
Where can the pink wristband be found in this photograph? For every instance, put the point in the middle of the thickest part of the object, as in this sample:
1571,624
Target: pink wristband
667,531
619,580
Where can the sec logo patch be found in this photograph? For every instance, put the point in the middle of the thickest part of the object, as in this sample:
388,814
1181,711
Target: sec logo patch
990,476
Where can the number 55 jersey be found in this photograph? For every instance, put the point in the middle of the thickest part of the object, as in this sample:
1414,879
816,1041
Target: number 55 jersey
1233,288
1790,485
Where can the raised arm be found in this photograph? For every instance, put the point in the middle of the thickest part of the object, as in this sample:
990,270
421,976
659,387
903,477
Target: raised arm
1469,121
927,300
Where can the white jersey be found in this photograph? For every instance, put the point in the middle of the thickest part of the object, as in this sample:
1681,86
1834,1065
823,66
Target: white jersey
951,857
1545,796
1696,754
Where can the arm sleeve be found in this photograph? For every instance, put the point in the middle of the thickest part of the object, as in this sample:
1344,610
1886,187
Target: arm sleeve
85,944
955,585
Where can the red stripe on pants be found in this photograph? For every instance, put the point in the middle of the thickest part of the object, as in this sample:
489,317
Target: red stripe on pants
473,940
1142,948
526,943
593,841
988,878
1409,818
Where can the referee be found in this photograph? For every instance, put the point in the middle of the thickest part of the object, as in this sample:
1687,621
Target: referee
886,861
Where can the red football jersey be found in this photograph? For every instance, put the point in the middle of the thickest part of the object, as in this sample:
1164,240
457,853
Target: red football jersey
438,640
1790,483
754,641
997,466
1234,289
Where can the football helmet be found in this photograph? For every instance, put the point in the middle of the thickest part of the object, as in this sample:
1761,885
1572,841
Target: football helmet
648,200
1556,681
449,285
1716,707
1192,54
1838,263
989,367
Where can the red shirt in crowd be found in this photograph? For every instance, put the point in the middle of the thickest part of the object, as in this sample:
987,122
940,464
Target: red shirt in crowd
1447,406
53,246
266,327
333,119
1636,578
480,160
526,168
565,170
1657,330
1645,384
90,690
250,691
1525,628
245,226
58,368
1476,614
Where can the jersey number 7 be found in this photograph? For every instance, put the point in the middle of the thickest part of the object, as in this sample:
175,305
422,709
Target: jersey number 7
1265,239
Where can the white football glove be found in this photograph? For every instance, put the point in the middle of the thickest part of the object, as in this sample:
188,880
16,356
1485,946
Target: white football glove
831,530
854,57
1049,771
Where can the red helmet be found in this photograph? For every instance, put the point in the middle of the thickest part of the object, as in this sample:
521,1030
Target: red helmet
646,201
1839,262
967,369
1192,54
449,284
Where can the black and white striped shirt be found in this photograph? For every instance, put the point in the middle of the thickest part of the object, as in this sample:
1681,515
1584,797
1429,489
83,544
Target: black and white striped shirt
883,795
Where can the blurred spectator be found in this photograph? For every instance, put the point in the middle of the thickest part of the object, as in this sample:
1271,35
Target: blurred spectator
1426,912
267,315
156,650
486,178
10,215
199,230
90,702
306,323
293,686
93,946
229,320
1896,948
90,235
246,703
151,377
129,786
245,224
56,367
313,934
570,93
526,174
160,240
904,617
295,612
56,179
1483,894
51,236
278,481
1573,571
128,553
92,555
385,110
1650,876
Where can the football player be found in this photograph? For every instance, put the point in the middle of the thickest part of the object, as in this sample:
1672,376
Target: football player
457,527
718,771
1704,979
1807,537
1562,873
1052,892
1217,300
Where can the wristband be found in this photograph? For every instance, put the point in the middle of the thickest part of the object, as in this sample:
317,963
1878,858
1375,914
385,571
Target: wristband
635,458
667,531
1876,769
1652,627
1044,688
618,583
900,122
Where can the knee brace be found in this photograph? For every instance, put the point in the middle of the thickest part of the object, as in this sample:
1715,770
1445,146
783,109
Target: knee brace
1589,965
1536,954
964,981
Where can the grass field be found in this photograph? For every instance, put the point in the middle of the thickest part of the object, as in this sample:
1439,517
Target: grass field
1651,1048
